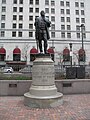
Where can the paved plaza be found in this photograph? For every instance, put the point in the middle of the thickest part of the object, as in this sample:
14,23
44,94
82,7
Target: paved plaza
75,107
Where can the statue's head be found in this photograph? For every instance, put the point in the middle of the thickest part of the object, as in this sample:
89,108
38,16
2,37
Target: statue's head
42,13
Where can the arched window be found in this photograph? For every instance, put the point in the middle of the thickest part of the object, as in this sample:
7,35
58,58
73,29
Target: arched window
2,54
33,53
66,55
16,54
51,52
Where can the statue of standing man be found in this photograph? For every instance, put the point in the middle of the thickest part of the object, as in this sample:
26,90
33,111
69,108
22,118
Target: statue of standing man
42,25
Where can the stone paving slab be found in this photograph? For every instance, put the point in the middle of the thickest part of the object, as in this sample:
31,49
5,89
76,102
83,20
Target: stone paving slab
75,107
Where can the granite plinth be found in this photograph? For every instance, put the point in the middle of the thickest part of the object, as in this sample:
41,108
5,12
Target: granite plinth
43,102
43,92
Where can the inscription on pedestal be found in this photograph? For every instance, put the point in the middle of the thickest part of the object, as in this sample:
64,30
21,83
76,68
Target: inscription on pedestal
43,75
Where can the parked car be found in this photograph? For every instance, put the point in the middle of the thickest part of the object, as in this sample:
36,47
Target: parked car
27,69
7,69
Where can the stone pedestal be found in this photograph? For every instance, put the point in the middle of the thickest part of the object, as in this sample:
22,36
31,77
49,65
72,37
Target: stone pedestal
43,92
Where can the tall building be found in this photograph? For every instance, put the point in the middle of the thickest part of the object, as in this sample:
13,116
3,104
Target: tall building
70,24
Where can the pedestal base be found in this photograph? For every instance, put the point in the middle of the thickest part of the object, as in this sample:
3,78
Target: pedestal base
43,92
43,102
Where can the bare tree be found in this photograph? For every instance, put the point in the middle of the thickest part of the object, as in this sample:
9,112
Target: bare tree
25,51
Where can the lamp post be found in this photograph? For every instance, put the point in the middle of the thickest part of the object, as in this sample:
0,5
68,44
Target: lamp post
70,44
82,29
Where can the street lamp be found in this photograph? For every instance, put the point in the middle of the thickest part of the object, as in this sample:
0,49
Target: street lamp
82,29
70,44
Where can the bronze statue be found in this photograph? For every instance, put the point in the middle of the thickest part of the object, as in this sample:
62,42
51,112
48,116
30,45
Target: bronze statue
42,25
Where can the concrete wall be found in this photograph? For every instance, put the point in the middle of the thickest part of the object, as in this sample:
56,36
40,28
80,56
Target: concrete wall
19,87
77,86
14,87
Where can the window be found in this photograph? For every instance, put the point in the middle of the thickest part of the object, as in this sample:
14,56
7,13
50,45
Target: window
53,18
31,18
77,28
62,11
20,1
37,16
14,17
30,34
82,12
2,34
20,25
3,9
30,26
67,4
46,10
14,34
46,2
82,20
31,10
68,19
53,34
62,3
68,27
3,17
14,25
52,3
20,9
52,10
19,34
84,35
82,28
31,2
47,17
78,35
16,57
14,1
21,17
37,10
2,57
76,4
53,27
3,1
62,34
14,9
62,19
67,11
37,2
2,25
82,4
62,27
77,12
77,20
68,35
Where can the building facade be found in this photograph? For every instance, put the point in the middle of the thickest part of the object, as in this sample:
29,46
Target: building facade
70,24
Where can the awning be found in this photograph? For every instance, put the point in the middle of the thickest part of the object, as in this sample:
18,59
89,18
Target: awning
16,51
2,51
66,51
81,52
50,51
33,51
